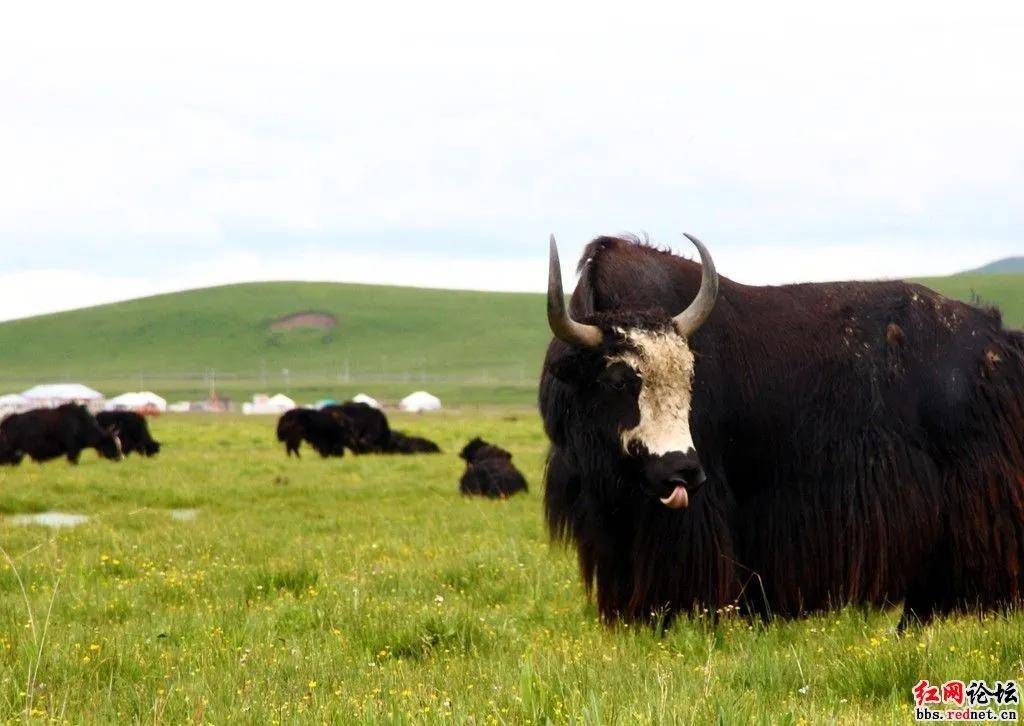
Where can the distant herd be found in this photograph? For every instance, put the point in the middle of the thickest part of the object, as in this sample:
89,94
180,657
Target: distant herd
44,434
363,429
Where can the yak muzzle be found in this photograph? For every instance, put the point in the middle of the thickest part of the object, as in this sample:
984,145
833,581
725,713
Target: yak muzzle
673,477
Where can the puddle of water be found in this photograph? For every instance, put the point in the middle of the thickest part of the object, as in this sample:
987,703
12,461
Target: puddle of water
50,519
184,515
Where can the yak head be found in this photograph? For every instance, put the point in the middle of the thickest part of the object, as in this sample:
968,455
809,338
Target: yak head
107,442
632,373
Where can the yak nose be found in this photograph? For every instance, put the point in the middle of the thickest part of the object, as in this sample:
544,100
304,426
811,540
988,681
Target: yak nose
673,477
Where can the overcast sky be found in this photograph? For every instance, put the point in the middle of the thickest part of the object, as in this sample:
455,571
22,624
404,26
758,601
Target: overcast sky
440,143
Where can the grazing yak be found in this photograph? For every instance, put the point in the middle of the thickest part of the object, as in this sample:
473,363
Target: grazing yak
46,433
132,432
400,443
788,449
328,432
489,471
369,428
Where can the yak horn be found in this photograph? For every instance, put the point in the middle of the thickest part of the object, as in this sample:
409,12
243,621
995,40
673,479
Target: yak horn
564,327
688,321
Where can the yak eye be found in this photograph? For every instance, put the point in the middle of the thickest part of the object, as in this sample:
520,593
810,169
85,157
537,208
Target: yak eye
618,377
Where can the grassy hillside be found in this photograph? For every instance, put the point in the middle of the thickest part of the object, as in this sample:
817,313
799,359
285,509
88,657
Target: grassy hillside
1005,265
467,347
1004,291
388,340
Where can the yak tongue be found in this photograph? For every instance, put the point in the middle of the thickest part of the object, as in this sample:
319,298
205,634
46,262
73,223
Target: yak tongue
678,499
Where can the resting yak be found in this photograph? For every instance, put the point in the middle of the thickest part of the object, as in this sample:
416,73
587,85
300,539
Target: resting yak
400,443
328,432
787,449
46,433
370,432
489,471
132,431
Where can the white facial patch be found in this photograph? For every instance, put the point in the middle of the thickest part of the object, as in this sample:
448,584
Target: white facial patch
664,363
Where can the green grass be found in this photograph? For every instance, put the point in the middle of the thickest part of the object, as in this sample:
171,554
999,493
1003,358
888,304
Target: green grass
1005,291
368,590
467,347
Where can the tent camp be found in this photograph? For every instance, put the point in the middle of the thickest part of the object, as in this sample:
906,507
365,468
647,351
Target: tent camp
51,395
419,402
141,401
263,404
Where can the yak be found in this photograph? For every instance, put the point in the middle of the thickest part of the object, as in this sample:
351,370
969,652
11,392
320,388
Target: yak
328,432
369,426
132,432
401,443
45,433
783,449
489,471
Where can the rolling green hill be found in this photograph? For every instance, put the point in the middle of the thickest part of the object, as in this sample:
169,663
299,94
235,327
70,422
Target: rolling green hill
388,341
1003,266
1005,291
467,347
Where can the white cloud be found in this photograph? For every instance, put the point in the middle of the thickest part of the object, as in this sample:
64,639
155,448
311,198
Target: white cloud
864,141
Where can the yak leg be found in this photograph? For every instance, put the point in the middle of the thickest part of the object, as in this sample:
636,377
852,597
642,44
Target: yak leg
919,608
928,593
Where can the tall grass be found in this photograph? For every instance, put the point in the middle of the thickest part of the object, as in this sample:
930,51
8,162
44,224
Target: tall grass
366,590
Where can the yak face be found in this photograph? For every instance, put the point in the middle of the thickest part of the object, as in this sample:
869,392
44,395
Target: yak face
637,390
663,365
633,376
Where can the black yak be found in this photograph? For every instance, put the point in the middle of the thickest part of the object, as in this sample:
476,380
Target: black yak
489,471
400,443
789,449
132,431
369,428
47,433
328,432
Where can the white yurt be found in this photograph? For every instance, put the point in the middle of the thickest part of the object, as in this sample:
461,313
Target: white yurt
51,395
282,403
13,403
368,400
263,404
419,402
143,401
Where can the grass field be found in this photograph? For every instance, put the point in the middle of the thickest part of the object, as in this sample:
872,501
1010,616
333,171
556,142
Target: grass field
469,348
368,590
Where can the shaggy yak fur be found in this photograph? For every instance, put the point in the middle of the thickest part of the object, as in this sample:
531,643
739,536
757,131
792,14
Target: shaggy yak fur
132,431
328,432
46,433
489,471
862,442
